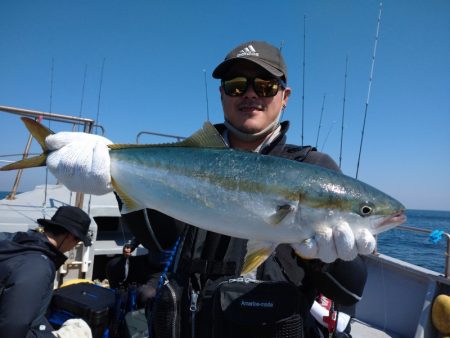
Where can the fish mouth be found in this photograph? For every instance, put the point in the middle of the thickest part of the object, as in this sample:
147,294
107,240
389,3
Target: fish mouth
391,221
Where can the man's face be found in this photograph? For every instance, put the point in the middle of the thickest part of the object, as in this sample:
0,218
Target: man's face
69,242
251,113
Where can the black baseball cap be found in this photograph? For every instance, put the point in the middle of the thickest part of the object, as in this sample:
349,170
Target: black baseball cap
259,52
73,219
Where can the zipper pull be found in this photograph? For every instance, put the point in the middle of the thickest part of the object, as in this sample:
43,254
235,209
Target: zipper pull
194,299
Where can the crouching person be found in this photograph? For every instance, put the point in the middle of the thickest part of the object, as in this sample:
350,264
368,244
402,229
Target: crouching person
28,263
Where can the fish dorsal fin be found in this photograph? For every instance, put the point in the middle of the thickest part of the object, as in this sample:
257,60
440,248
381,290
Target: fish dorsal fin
206,137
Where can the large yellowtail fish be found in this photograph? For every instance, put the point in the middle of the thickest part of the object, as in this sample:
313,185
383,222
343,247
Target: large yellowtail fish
268,200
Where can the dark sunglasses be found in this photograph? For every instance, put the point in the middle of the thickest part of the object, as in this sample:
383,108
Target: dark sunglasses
263,87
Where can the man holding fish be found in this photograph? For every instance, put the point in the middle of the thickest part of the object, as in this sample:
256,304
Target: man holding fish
287,214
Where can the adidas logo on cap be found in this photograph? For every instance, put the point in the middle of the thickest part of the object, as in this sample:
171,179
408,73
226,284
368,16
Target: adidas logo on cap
247,51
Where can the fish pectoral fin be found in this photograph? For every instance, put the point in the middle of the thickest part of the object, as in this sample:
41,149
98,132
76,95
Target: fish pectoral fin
280,214
257,253
129,204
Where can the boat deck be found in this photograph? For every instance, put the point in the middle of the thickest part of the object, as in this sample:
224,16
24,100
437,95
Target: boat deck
28,206
364,330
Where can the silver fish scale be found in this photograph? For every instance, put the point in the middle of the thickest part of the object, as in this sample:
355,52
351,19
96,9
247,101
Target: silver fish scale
238,193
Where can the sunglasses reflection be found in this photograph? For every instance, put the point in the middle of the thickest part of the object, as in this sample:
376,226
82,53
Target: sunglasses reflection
262,87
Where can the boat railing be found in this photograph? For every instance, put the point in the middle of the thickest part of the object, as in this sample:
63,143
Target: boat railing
178,138
87,124
428,232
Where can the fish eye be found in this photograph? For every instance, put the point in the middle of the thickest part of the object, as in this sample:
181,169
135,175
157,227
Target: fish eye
366,209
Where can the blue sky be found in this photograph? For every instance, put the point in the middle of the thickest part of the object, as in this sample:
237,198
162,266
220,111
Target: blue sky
155,53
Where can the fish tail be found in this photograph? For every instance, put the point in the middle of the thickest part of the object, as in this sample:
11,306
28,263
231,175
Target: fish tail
39,132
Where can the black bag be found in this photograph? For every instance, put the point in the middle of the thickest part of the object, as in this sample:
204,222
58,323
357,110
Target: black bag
90,302
249,308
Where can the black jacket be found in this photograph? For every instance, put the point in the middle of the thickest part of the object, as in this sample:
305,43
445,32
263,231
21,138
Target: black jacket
28,263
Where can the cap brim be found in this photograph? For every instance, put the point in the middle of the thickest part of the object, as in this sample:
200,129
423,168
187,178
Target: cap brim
85,239
222,69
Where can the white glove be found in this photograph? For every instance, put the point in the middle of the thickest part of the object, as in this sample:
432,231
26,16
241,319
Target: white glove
329,244
80,161
74,328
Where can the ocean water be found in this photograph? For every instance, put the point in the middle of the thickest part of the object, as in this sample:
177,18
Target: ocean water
412,247
418,248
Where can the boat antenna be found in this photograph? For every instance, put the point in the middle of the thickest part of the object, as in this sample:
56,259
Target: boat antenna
99,95
370,85
303,84
343,111
82,94
206,95
320,120
49,121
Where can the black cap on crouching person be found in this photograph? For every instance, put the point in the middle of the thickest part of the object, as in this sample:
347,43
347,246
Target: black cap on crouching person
258,52
73,219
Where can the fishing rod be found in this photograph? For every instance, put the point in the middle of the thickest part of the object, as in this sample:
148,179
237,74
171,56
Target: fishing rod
206,95
99,94
303,87
320,120
82,95
343,111
49,121
370,85
280,49
79,198
328,134
51,90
